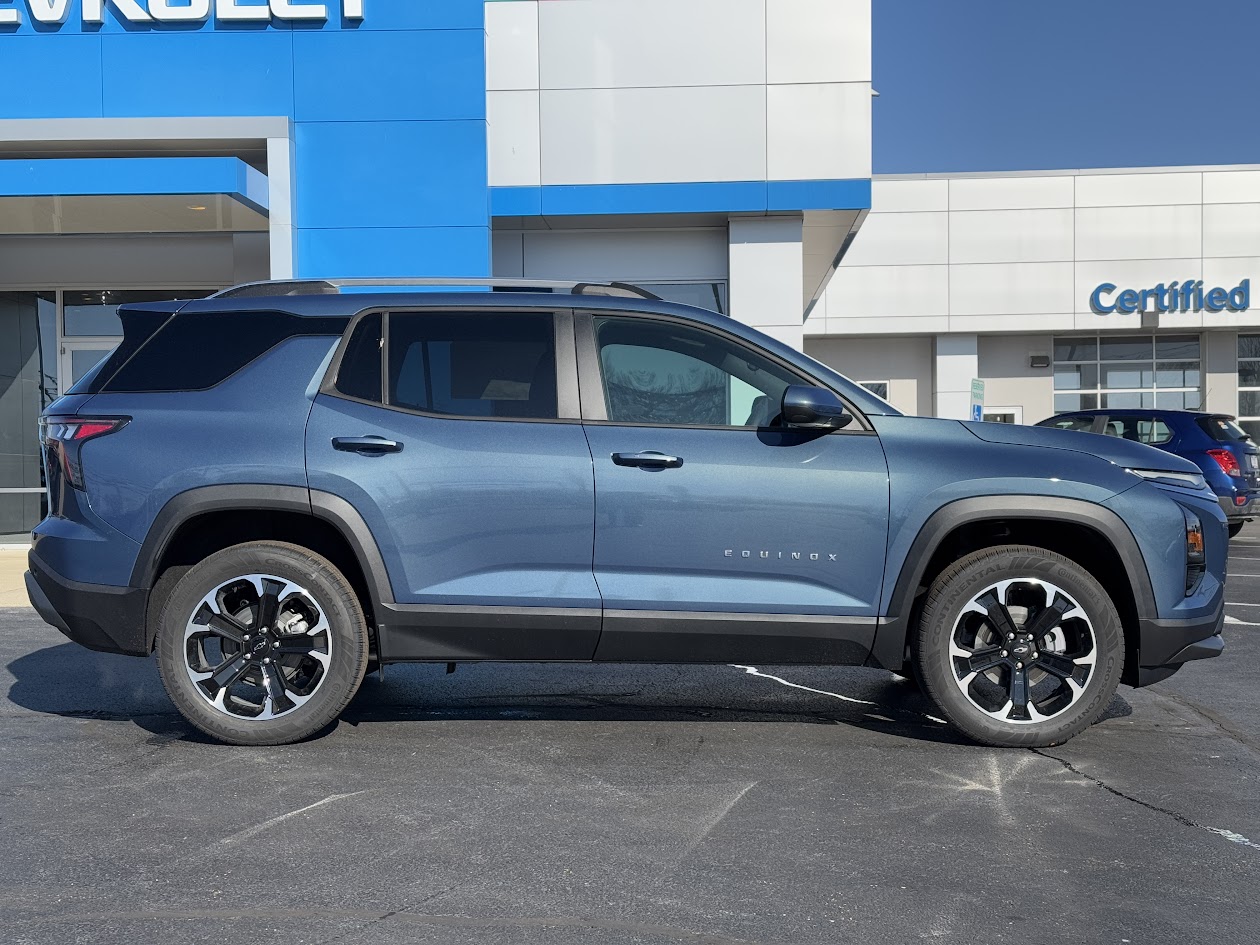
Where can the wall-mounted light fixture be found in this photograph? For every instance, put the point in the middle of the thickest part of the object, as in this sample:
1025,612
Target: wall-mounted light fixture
1039,360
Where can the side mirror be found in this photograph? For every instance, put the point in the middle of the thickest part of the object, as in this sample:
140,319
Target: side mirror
814,408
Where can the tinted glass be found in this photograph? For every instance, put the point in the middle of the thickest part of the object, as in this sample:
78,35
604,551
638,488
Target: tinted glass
1177,374
710,295
1075,349
474,364
1248,403
360,372
1178,400
1064,402
1082,424
1223,429
1249,346
1075,376
197,350
1125,348
878,388
668,374
1249,373
1128,401
139,327
1177,347
1150,431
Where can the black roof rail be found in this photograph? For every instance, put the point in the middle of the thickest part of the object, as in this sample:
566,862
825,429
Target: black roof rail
287,287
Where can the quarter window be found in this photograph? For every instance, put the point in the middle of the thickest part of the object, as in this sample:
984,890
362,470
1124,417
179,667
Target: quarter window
673,375
474,364
360,372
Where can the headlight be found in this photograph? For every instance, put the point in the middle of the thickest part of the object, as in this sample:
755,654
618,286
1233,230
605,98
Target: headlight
1183,479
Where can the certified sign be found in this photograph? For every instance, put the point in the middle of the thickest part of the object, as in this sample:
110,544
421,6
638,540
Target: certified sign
57,12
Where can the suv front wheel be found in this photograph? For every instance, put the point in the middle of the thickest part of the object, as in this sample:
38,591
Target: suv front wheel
1019,646
262,644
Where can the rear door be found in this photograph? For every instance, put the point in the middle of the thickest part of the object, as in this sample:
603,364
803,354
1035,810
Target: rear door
456,438
721,535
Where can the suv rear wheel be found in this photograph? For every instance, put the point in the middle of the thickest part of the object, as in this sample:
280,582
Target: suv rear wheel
1019,646
262,644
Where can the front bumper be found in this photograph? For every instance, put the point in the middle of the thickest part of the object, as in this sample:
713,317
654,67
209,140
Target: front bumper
1168,644
97,616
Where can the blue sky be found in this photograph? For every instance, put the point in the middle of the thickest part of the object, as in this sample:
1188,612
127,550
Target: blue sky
981,85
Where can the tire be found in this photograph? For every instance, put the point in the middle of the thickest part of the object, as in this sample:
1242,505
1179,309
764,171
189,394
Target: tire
286,679
971,667
1235,528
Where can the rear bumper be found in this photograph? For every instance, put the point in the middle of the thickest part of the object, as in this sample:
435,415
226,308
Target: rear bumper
1167,644
97,616
1240,513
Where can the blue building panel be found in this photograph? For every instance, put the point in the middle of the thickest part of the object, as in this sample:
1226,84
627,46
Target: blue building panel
385,253
402,76
391,174
191,74
51,76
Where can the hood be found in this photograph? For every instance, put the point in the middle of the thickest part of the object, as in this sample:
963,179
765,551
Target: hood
1123,453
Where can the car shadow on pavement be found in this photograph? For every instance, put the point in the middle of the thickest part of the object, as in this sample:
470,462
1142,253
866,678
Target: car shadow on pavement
70,681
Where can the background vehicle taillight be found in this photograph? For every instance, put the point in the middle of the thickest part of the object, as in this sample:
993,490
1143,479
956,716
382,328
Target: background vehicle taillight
63,438
1227,461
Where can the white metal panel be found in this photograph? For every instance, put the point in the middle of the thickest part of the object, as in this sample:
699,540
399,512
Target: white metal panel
900,239
1010,193
909,196
887,292
1010,288
818,41
512,139
819,132
1231,187
600,44
1012,324
1010,236
511,45
1150,232
1135,190
1229,273
1131,274
766,261
616,136
1231,229
674,255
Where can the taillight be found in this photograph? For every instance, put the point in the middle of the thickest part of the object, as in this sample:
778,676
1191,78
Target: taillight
63,438
1227,461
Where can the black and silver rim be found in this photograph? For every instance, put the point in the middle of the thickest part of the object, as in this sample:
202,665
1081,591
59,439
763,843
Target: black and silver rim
1022,651
257,647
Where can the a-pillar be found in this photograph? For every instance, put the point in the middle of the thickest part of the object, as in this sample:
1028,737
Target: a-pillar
957,365
767,266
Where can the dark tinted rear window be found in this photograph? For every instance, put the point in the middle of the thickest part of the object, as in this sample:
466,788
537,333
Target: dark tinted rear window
1223,429
138,327
360,372
474,364
197,350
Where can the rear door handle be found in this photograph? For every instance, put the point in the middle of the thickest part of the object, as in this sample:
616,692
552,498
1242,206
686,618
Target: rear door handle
648,459
366,444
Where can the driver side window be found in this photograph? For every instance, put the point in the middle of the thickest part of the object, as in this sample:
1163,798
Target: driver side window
675,375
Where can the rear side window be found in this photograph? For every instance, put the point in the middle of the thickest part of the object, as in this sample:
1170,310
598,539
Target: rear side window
1083,424
1223,429
197,350
474,364
138,327
360,372
1149,430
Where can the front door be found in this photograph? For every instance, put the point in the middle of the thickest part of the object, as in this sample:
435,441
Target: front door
470,468
721,535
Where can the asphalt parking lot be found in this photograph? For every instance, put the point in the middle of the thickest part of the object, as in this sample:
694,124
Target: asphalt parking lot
626,804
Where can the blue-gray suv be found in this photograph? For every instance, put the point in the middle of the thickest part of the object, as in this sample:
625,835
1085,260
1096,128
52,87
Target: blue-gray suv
284,485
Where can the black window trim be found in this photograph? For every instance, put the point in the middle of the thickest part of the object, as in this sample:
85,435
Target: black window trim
591,385
567,404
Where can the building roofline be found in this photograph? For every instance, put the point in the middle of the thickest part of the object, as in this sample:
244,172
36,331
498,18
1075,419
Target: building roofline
1071,172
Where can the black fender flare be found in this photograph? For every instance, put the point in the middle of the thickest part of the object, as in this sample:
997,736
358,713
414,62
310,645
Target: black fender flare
247,497
894,627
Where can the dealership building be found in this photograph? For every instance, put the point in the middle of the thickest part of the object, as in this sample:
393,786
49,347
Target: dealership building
715,151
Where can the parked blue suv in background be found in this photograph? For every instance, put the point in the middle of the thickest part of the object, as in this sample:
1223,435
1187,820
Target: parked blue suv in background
278,486
1226,455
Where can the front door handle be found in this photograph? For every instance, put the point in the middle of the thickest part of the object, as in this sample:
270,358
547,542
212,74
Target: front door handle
366,444
648,459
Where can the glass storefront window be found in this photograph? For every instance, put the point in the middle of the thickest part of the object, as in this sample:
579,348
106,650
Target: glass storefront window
1126,372
94,313
707,295
1249,384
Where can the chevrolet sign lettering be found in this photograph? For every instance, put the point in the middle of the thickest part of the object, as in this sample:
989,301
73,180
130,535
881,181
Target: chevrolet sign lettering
57,12
785,555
